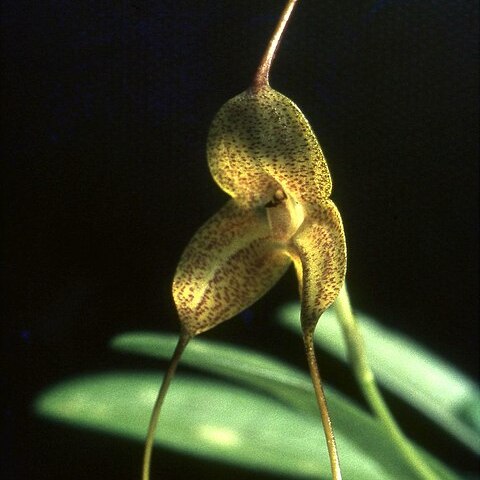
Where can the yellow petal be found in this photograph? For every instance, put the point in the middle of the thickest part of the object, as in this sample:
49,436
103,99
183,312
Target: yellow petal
319,253
260,142
230,263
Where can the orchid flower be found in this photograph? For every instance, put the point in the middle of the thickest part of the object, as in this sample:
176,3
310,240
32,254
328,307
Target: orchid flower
263,153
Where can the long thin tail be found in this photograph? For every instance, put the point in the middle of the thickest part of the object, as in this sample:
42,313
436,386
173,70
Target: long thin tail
152,427
322,404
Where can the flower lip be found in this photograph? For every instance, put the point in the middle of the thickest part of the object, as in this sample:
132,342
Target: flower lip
278,197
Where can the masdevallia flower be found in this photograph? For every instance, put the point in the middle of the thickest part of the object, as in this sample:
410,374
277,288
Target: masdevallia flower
263,153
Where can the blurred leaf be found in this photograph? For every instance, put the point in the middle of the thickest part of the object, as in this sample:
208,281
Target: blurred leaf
204,418
256,370
359,436
213,420
408,369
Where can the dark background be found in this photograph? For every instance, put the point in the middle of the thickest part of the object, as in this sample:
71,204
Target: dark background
105,112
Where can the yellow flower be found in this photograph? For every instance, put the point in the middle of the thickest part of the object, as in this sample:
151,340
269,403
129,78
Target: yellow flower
264,154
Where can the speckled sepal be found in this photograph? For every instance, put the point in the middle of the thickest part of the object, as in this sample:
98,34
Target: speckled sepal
319,252
260,142
230,263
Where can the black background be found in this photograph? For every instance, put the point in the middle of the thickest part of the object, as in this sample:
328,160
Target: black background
105,111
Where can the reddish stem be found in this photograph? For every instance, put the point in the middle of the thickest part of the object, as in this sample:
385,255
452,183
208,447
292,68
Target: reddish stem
261,76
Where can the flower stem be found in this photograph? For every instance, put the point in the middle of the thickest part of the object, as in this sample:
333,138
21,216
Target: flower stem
261,76
322,404
152,427
366,378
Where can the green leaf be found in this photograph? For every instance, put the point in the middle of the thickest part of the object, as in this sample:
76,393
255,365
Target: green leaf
409,370
213,420
250,367
362,441
203,418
